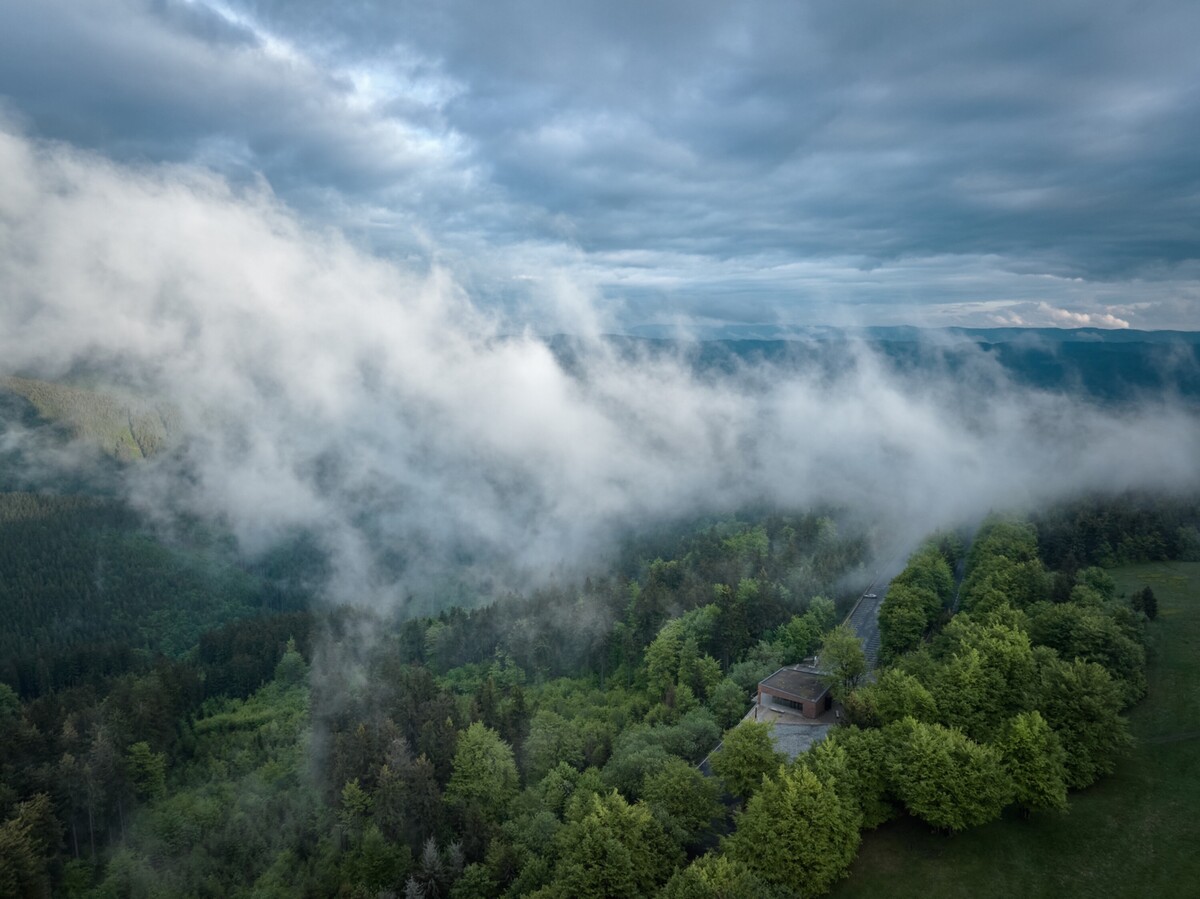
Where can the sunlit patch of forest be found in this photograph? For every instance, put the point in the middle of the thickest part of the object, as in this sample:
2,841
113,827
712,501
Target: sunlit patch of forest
124,427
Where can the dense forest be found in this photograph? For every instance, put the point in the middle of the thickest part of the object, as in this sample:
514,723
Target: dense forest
178,723
87,591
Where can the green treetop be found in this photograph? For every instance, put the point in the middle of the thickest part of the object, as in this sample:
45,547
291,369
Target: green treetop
484,773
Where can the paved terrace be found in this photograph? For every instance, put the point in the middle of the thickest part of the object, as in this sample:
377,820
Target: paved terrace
793,733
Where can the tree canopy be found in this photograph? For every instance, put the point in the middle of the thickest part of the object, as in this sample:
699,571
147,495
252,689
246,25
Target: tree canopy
797,832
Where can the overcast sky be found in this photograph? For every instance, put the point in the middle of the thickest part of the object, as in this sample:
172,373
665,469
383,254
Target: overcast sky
786,163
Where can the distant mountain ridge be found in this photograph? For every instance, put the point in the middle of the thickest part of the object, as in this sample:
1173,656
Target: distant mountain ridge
1107,366
764,332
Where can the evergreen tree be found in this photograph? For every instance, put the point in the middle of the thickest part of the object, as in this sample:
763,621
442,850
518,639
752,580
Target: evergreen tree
1146,602
28,842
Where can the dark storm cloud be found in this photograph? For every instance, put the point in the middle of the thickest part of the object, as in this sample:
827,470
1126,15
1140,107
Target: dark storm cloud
1020,144
1056,131
179,81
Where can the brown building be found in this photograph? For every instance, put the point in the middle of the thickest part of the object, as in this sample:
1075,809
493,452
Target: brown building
800,688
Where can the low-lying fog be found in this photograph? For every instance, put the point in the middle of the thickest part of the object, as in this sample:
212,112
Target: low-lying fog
388,409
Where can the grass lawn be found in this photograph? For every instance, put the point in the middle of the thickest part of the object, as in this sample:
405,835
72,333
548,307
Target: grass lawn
1136,833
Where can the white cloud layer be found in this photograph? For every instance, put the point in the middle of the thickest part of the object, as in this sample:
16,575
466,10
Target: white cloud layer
323,387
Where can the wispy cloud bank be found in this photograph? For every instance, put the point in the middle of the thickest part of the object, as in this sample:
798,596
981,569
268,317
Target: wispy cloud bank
1082,319
384,408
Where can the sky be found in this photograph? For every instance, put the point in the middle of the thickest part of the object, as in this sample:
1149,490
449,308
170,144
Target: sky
685,165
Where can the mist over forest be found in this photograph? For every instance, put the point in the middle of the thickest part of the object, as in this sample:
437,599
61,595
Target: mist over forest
423,441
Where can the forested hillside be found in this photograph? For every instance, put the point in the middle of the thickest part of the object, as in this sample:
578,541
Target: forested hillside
87,590
546,745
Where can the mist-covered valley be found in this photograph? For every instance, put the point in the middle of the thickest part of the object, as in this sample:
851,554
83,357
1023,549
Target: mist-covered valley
312,387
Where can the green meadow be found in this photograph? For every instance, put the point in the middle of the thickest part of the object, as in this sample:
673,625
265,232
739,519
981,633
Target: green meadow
1135,834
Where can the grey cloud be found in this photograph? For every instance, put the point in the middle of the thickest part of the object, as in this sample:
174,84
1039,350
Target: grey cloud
203,23
1051,137
159,81
1043,137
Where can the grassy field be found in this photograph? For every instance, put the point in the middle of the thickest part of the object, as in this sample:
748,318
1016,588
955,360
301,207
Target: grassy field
1134,834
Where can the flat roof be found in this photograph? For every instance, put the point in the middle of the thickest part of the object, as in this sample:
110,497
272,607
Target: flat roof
798,682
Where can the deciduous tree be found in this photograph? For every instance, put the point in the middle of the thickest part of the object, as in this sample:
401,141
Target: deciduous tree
843,659
1082,704
484,775
728,702
613,850
716,877
746,755
1035,763
797,832
944,778
683,800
